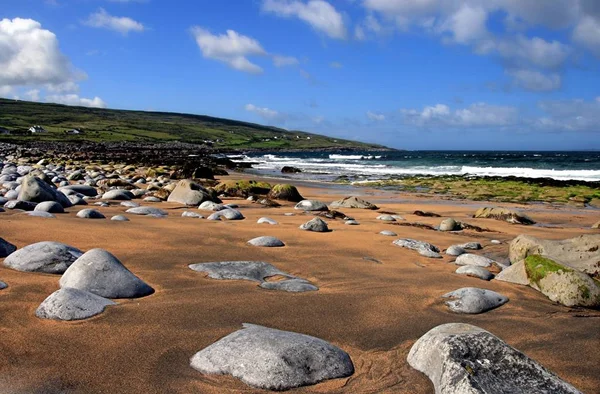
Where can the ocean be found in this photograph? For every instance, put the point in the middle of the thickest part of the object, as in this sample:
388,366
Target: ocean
368,166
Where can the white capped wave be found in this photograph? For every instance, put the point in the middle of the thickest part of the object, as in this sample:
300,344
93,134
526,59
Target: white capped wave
339,165
353,157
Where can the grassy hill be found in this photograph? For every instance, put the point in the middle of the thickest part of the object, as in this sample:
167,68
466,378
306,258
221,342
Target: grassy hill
102,125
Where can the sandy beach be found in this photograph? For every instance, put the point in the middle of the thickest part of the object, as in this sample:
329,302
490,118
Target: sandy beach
374,300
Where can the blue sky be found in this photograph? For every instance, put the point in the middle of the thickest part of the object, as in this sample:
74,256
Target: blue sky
413,74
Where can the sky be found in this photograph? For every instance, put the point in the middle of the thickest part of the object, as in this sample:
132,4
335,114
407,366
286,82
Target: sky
409,74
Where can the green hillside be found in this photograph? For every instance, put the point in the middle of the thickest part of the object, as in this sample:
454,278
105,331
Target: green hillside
119,125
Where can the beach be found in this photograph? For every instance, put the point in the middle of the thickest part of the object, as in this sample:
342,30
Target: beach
374,301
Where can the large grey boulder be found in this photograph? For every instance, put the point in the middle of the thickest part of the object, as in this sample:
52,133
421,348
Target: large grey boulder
118,194
353,202
6,248
50,207
189,193
504,214
317,225
475,272
474,259
423,248
72,304
147,211
272,359
46,257
473,300
81,189
35,190
90,214
267,242
285,192
461,358
311,205
561,283
101,273
581,253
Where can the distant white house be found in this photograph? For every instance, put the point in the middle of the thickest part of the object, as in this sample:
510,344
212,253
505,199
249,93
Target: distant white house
73,131
37,129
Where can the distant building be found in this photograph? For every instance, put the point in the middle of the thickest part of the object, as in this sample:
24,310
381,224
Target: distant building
37,129
74,131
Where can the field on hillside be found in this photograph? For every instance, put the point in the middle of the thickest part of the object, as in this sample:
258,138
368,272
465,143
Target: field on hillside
120,125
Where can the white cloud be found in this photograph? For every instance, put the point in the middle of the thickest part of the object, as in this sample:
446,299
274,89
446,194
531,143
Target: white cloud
231,48
534,51
30,55
587,34
121,24
33,95
570,115
467,24
269,115
375,116
535,81
319,14
476,115
283,61
5,91
74,99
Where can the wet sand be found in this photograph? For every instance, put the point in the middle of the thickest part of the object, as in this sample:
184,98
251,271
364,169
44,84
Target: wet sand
373,311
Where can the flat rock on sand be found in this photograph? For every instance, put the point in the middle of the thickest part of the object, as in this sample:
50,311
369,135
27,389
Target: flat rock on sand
455,250
148,211
3,285
190,214
505,214
256,271
101,273
388,233
472,300
118,194
119,218
353,202
296,285
271,359
40,214
6,248
311,205
423,248
227,213
317,225
266,242
47,257
72,304
211,206
461,358
474,271
90,214
473,259
515,273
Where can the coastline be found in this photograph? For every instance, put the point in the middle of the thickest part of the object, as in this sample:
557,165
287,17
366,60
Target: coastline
374,311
